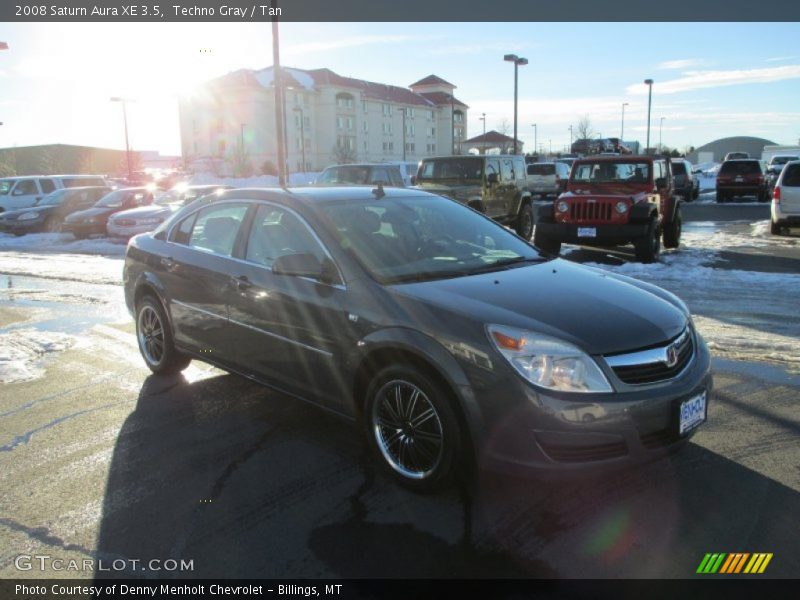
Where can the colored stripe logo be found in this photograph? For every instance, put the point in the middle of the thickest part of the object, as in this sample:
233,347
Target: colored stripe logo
734,563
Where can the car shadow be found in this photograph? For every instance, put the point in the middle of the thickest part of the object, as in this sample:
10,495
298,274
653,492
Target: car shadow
242,482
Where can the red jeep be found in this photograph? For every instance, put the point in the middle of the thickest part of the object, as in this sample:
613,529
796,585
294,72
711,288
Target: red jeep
611,201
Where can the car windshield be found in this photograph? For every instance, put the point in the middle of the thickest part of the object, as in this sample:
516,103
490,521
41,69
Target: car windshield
419,238
628,172
53,198
116,199
6,185
350,174
460,168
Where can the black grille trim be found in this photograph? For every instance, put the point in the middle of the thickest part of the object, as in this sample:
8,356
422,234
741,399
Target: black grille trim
654,372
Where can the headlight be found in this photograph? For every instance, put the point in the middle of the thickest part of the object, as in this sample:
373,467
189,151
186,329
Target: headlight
622,207
548,362
562,206
28,216
91,220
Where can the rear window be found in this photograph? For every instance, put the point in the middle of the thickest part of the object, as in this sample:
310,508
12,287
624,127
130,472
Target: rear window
541,169
791,176
740,167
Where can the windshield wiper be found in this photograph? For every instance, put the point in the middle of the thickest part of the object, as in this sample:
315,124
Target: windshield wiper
426,276
507,263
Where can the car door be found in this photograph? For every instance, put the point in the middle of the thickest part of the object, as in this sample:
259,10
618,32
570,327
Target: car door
287,328
196,278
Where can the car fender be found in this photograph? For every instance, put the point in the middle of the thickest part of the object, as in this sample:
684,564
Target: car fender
148,279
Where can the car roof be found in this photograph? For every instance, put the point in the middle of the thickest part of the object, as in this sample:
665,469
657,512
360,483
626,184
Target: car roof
312,195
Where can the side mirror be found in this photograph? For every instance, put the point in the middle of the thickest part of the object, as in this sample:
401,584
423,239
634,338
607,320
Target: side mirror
661,182
304,264
491,178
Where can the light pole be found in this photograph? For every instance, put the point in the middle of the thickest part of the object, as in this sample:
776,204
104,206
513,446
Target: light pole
483,118
127,145
570,138
302,136
660,125
622,126
649,84
403,110
518,61
280,106
535,141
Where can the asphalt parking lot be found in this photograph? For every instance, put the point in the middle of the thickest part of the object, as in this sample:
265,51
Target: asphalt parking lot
100,459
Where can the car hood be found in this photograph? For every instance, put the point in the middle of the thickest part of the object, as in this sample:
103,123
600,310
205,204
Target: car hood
82,215
598,311
143,212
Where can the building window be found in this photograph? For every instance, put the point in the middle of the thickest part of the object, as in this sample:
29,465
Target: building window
410,129
365,127
364,105
387,110
344,141
431,148
387,128
458,116
410,147
431,116
409,113
431,131
350,123
344,101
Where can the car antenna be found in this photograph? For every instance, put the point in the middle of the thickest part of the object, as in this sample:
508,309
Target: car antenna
378,191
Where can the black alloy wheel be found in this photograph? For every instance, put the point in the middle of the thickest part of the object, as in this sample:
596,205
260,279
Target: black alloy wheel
154,337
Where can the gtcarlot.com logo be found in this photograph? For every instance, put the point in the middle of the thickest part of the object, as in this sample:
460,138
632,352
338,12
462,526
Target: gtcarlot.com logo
735,563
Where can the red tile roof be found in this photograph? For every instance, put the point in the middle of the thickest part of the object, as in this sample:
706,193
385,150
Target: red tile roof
432,80
491,137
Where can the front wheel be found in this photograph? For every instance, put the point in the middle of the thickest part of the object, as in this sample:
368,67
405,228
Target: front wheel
412,428
648,247
545,243
672,231
154,336
524,225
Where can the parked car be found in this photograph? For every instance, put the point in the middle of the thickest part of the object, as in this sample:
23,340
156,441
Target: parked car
785,211
362,174
612,201
741,177
25,191
735,156
687,186
454,342
547,178
91,221
48,213
494,184
775,166
128,223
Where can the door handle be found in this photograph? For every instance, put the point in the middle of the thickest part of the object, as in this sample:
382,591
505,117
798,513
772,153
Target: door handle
242,282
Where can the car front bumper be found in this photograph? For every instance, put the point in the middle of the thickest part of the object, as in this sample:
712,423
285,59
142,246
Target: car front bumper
18,227
128,231
535,431
83,229
604,233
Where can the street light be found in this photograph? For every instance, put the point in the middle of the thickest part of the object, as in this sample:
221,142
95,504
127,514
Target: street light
622,127
649,84
302,135
403,110
518,61
535,147
660,125
483,118
127,145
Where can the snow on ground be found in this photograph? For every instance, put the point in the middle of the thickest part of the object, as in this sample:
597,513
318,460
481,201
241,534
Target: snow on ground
63,243
22,352
68,267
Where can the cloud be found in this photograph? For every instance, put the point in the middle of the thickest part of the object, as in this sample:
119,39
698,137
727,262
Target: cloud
780,58
695,80
684,63
346,42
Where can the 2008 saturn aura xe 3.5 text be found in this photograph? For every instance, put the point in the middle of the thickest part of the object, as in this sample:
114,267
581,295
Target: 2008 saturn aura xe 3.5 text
456,343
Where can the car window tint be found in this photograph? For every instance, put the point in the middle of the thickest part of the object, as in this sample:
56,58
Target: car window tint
395,178
791,176
216,227
277,232
678,168
379,176
181,233
741,167
25,187
47,185
541,169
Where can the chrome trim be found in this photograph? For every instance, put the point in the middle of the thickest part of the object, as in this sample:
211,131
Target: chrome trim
645,357
256,329
341,286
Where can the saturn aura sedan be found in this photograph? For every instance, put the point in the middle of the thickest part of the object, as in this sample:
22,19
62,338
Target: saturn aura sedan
453,342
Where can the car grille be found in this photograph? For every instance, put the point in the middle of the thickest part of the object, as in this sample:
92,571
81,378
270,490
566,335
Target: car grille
651,366
572,453
590,210
124,222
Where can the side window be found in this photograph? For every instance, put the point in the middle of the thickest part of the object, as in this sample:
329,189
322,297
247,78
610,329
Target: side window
493,166
379,176
180,235
47,185
506,170
395,179
25,187
216,227
276,232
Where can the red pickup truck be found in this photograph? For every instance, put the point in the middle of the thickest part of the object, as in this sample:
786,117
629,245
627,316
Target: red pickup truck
612,201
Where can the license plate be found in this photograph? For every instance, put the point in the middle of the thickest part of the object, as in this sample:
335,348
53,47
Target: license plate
739,179
587,232
693,413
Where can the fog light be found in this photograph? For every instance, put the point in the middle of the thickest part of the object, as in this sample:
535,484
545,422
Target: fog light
562,207
622,207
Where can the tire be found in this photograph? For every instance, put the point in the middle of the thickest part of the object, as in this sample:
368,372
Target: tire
524,225
672,231
547,244
649,246
52,225
775,228
763,196
720,197
154,337
412,428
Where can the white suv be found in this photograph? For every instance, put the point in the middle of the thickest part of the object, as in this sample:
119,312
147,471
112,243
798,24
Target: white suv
27,190
786,199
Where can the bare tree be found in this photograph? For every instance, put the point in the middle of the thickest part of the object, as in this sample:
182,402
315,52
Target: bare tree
504,127
584,128
342,155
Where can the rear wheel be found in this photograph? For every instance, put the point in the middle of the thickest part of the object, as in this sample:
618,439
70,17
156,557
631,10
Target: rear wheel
648,247
524,226
412,428
720,197
672,231
763,196
154,336
546,243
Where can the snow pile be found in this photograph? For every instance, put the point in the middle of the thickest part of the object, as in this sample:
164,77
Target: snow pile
739,342
86,268
22,350
61,242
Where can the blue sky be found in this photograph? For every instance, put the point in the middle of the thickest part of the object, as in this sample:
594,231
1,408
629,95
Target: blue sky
712,80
